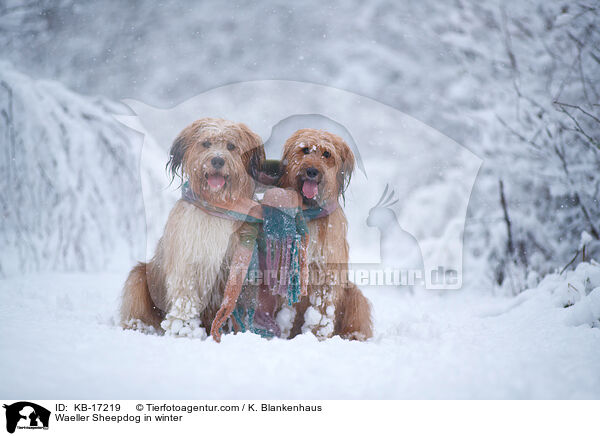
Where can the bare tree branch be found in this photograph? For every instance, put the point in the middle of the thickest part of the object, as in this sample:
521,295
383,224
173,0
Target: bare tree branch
578,108
593,230
510,248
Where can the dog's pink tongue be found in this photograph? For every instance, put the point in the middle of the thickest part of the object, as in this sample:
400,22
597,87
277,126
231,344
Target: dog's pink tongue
310,188
216,181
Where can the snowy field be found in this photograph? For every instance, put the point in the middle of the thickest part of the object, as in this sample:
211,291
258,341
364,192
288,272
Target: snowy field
59,340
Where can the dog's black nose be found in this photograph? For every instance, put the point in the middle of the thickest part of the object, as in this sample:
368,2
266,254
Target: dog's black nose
312,173
217,162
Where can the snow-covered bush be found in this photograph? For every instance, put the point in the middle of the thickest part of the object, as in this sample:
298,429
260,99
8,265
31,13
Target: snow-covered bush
70,191
543,150
578,291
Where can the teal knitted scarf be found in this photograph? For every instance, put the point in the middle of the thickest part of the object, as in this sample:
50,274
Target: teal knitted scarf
277,248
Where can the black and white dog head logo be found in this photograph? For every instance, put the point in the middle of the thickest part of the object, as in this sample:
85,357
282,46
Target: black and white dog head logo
26,415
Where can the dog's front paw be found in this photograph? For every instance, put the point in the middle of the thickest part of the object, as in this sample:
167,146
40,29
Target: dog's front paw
320,324
285,319
193,329
190,328
182,320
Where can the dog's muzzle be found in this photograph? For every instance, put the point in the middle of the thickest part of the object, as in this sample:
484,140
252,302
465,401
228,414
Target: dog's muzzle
310,183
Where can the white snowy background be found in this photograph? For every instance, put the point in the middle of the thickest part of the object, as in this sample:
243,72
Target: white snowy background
515,83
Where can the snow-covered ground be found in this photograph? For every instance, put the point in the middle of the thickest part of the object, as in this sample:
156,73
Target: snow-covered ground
59,340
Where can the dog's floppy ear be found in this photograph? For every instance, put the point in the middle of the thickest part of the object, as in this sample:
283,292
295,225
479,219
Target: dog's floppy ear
178,149
254,156
347,165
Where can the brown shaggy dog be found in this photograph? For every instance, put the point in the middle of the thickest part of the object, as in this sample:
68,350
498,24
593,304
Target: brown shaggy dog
181,288
318,165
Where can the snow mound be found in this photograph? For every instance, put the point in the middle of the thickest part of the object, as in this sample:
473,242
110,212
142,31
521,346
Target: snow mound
577,291
70,188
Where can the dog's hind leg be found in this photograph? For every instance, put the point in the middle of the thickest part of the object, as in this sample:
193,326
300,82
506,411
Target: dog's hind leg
353,315
138,311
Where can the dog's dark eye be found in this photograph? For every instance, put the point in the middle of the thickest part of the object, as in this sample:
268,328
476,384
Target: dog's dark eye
306,150
230,146
206,144
326,154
